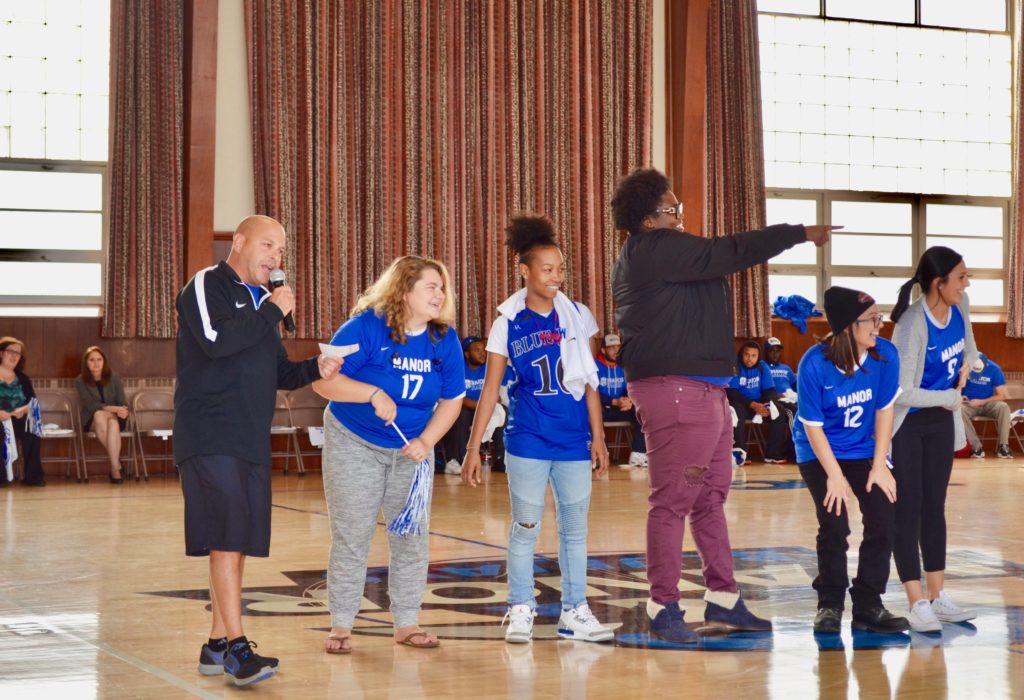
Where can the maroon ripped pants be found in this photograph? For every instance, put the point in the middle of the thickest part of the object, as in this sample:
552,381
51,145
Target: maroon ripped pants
688,429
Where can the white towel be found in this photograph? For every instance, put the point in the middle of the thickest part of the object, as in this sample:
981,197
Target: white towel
578,366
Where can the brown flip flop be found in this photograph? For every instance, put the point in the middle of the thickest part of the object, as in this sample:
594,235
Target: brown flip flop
409,641
339,638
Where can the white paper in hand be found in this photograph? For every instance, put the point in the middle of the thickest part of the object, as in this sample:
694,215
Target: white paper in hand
338,351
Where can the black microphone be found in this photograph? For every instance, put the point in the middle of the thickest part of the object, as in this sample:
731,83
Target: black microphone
277,280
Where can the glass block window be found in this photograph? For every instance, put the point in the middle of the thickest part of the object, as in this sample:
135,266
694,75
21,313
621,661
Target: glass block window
885,108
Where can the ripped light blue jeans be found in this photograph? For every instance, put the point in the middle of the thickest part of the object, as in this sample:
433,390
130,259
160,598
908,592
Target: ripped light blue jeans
527,486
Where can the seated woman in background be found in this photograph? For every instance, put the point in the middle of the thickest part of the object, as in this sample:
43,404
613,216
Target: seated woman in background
15,393
104,408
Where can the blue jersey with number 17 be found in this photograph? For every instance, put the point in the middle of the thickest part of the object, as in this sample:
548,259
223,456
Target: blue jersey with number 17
415,374
544,420
844,407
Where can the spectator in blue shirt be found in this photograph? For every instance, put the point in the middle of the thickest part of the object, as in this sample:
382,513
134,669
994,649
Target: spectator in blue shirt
985,395
474,350
750,392
782,374
615,403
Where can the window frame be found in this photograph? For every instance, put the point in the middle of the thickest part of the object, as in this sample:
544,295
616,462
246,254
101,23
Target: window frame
823,270
58,255
821,14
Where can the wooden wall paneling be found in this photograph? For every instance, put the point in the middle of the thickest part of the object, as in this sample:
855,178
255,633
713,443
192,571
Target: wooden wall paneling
200,131
686,76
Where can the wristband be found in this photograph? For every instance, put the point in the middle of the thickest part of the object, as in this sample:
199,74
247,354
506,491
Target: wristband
469,447
370,400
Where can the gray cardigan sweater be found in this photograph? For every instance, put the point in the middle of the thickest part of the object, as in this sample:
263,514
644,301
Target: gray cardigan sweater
89,396
911,339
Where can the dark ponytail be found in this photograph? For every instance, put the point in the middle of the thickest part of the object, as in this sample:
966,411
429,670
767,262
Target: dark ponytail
936,263
526,232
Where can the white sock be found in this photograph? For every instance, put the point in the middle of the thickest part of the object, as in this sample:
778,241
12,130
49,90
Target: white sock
723,599
653,608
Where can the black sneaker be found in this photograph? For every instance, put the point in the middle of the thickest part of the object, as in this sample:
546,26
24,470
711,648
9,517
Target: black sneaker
1003,452
978,453
828,620
879,620
211,661
244,667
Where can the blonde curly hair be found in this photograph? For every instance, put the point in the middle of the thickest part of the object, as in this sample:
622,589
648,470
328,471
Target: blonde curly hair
386,296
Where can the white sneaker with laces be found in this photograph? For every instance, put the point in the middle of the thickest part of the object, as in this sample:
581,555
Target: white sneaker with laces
520,624
922,618
580,624
453,466
637,459
948,611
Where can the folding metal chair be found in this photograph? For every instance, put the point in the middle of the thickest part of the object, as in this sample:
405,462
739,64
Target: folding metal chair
153,410
58,409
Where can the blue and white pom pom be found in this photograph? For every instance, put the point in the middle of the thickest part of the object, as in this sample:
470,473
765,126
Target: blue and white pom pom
414,515
35,418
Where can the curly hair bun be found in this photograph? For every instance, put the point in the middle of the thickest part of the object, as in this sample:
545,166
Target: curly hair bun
529,231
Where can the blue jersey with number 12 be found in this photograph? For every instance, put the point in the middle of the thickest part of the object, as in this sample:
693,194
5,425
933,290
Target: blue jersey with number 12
844,407
544,420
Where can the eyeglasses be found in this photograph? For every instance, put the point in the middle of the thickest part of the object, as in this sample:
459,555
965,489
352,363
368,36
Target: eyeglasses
876,321
676,211
13,353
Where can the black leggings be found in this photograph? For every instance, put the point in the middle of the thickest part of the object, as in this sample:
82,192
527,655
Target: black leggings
922,455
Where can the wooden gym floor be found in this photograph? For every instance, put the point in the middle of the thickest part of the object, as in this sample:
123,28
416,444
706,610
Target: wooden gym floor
98,600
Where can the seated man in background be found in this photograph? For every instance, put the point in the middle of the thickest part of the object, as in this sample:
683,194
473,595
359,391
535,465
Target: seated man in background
614,401
985,395
454,442
751,393
782,374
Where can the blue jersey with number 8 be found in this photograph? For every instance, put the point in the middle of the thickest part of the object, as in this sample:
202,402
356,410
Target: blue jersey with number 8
544,420
945,352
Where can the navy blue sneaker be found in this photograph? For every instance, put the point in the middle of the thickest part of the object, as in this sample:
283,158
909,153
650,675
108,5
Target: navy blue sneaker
211,661
668,624
719,620
244,667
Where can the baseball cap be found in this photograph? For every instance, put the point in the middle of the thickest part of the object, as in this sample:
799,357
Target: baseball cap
772,342
611,339
469,340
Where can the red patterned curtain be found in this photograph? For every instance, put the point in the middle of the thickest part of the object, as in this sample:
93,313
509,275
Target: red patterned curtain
146,212
734,175
1015,270
387,127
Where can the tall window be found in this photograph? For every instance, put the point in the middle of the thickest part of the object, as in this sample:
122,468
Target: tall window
894,119
54,68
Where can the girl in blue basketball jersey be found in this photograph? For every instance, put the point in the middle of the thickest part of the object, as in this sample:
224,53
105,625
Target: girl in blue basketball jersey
848,385
937,349
406,371
555,431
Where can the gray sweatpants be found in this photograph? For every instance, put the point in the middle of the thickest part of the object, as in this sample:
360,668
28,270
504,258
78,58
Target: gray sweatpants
361,479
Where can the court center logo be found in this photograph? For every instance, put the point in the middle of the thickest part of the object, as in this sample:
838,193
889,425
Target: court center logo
466,599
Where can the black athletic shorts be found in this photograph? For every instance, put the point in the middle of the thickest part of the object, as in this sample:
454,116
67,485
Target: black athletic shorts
227,505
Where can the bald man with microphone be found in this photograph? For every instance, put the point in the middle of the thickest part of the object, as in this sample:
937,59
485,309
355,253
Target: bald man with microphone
230,364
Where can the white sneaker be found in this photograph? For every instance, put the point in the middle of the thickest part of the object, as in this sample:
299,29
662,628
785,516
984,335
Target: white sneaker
453,466
948,611
922,618
580,624
520,624
637,459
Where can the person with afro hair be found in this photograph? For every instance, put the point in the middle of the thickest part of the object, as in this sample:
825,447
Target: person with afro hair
674,312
